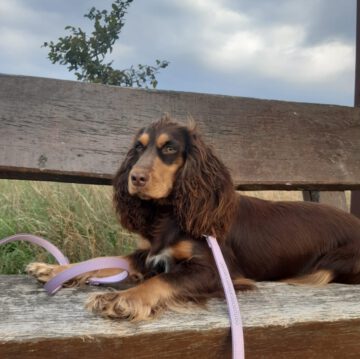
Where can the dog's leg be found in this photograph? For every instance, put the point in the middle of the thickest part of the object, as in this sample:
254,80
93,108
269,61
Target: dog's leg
243,284
43,272
186,282
344,263
340,265
139,303
318,278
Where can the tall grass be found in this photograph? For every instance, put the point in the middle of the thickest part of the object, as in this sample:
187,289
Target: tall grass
79,219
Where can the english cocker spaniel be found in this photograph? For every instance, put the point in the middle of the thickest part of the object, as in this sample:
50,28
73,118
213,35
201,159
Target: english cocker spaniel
171,189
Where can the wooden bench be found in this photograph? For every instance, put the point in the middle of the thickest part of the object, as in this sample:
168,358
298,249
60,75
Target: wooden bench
76,132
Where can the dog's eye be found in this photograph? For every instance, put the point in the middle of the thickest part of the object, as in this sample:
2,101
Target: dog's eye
169,149
139,147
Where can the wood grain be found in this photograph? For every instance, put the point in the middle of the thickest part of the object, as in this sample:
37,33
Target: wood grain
280,321
336,199
79,132
331,198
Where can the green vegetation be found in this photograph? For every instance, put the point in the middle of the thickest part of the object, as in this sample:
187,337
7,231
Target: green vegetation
79,219
87,55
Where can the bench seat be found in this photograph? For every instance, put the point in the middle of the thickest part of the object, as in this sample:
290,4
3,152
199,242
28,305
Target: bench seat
280,321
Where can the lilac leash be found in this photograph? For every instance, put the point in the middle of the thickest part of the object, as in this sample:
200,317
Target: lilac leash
237,334
54,251
53,285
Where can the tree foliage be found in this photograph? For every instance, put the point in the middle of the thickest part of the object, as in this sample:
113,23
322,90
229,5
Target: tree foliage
86,55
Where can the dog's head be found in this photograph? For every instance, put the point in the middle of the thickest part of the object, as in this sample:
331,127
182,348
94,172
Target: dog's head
169,163
158,152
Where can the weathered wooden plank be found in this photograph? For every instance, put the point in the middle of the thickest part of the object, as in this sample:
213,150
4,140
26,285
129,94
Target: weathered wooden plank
332,198
280,321
71,131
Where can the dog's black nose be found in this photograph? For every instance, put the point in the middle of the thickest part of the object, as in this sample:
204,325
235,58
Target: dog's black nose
139,178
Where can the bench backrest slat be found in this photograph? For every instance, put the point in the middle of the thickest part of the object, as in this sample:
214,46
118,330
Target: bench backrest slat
79,132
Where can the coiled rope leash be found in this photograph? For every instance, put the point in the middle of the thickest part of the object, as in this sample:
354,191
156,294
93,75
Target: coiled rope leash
54,284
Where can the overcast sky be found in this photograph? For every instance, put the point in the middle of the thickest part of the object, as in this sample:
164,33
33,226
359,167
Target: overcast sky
298,50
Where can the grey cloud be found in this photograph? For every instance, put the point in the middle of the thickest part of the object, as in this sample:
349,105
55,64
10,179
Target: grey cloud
187,34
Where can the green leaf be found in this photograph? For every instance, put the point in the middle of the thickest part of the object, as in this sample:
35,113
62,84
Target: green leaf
85,54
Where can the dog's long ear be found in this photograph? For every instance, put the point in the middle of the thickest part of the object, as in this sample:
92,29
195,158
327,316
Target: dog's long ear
204,196
135,215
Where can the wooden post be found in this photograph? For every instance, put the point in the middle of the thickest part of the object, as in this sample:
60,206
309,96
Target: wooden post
355,195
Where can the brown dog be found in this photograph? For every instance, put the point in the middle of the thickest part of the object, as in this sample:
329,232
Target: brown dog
171,189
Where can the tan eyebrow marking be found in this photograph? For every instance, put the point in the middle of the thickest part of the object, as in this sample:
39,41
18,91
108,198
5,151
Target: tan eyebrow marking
162,139
144,139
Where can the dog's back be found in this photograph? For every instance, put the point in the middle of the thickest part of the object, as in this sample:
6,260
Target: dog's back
281,240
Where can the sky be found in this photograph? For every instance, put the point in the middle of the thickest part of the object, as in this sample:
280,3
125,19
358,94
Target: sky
289,50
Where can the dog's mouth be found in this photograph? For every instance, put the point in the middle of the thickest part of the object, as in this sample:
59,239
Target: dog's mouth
141,193
146,197
143,196
148,192
138,192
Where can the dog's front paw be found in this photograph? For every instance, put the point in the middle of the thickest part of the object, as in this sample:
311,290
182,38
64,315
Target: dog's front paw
138,303
121,305
43,272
